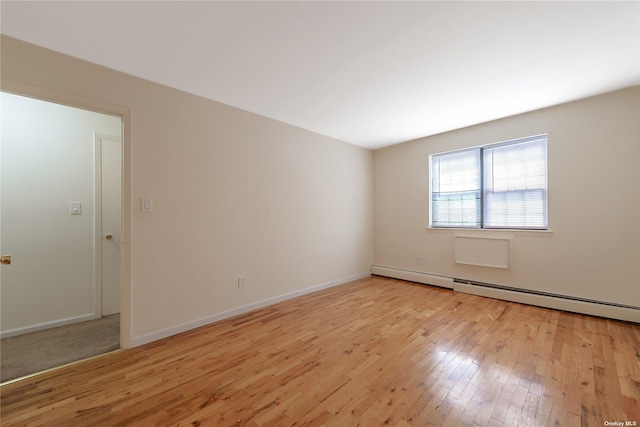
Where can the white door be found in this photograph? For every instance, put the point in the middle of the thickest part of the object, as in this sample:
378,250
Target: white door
110,163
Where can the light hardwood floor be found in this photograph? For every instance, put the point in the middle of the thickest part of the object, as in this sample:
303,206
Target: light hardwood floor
375,351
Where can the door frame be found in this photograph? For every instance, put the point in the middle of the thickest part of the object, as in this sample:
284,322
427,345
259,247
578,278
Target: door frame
98,138
125,114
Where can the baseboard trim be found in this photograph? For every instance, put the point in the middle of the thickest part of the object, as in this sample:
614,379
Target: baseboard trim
557,302
576,306
413,276
165,333
46,325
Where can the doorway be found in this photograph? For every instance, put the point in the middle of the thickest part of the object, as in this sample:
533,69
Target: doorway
48,215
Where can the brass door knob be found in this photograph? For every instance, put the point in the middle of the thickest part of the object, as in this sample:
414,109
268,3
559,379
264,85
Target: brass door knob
5,259
108,236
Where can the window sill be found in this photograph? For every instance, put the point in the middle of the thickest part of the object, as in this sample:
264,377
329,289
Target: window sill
488,233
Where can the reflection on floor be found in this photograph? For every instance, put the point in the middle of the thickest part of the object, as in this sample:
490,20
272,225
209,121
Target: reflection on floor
38,351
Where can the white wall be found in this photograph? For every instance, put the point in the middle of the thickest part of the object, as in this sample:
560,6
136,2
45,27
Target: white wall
593,250
234,194
48,162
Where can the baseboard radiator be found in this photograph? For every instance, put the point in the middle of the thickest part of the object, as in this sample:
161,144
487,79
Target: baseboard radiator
413,276
531,297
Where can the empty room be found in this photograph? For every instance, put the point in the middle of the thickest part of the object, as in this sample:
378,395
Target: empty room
320,213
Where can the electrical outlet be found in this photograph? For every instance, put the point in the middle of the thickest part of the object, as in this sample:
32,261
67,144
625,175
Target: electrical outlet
420,260
241,282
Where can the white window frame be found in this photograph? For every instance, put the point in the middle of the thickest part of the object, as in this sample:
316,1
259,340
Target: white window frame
481,223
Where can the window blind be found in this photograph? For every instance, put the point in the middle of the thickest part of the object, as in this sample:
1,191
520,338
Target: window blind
515,184
496,186
456,189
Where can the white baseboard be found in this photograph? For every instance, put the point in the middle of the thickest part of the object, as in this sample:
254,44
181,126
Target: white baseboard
46,325
413,276
174,330
558,303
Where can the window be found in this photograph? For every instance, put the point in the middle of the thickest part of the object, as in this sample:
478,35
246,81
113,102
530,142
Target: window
495,186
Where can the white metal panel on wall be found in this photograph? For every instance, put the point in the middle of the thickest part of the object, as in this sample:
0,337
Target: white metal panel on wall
482,251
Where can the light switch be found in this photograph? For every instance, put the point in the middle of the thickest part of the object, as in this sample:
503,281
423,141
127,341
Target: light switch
147,204
75,208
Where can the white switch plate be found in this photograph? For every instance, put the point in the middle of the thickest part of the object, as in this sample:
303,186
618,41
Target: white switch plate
146,204
75,208
241,282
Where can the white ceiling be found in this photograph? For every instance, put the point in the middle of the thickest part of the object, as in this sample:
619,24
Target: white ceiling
369,73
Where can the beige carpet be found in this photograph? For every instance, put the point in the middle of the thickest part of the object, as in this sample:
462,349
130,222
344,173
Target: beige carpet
38,351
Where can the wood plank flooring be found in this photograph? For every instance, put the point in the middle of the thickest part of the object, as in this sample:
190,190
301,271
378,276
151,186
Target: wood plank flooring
375,351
